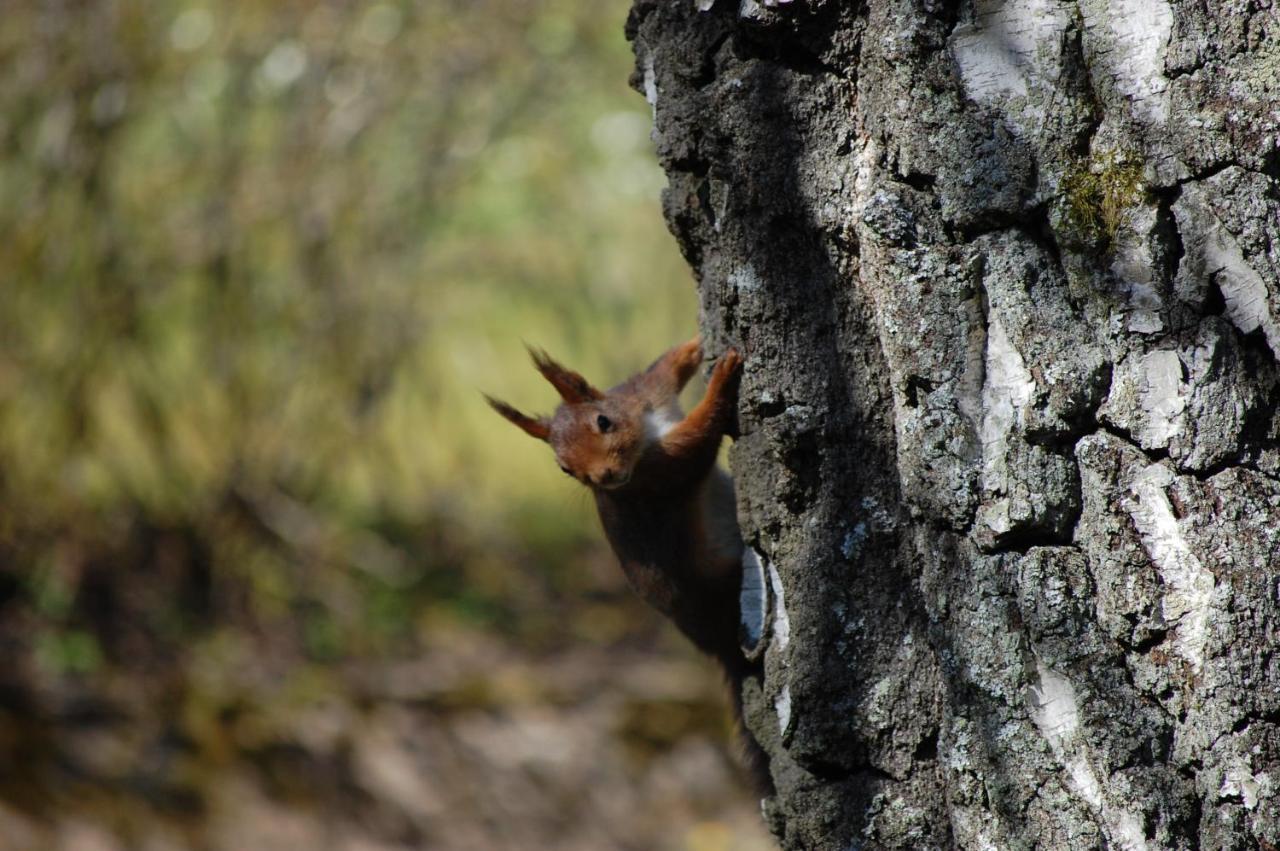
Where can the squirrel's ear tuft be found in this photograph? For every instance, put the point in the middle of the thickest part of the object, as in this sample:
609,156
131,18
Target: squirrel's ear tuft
571,386
538,428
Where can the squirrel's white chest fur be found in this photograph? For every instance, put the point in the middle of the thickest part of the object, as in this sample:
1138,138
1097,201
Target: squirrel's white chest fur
660,421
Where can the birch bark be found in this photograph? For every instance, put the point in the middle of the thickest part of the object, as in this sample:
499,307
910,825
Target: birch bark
1007,277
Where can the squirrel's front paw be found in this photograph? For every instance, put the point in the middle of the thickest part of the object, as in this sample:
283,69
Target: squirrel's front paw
723,385
688,356
729,365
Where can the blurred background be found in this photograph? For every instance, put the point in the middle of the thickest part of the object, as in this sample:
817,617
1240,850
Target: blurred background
271,573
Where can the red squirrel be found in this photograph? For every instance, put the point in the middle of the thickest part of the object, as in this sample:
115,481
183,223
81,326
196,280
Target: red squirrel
668,511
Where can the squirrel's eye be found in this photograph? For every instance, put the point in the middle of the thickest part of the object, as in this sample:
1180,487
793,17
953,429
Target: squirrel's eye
603,423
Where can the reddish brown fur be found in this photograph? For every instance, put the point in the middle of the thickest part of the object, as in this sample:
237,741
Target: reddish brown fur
664,506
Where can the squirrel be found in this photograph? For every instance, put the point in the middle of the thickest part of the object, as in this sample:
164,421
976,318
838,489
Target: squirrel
667,510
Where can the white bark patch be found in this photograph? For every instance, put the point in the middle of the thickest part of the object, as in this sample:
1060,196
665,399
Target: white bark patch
995,514
1243,289
1007,45
781,638
1133,36
781,623
1189,586
1086,781
1007,391
651,84
1055,710
1214,255
1240,782
1128,832
782,706
867,167
1161,397
1212,251
753,600
744,279
988,67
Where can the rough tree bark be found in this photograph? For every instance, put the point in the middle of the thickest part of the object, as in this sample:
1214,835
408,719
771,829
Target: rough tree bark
1005,274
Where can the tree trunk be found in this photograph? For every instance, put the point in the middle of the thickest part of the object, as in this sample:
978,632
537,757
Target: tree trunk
1006,281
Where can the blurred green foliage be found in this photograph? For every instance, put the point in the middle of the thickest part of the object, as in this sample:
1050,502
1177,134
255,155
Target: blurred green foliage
260,259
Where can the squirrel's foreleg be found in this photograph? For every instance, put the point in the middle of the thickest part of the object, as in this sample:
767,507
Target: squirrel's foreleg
662,382
696,438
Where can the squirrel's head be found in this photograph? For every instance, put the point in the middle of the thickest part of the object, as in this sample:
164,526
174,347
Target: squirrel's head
597,438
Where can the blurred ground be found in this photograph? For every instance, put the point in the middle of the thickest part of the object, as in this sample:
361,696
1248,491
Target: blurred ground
477,748
271,574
